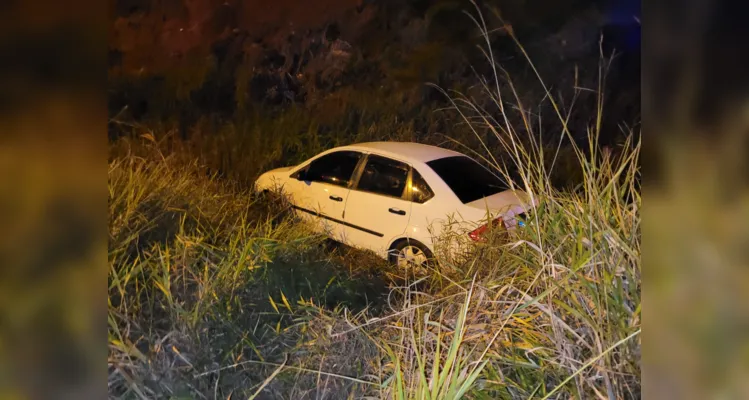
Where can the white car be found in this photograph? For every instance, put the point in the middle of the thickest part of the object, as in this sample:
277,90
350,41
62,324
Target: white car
397,199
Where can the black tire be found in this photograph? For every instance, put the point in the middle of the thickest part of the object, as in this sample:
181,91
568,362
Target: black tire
402,244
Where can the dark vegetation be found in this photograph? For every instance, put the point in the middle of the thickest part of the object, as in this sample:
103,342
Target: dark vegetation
214,293
252,90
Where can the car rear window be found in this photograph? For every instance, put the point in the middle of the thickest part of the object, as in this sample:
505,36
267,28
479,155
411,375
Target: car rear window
467,178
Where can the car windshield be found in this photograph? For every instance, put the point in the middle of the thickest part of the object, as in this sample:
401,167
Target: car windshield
466,178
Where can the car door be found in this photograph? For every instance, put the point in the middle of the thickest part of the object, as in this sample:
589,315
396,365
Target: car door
319,190
377,210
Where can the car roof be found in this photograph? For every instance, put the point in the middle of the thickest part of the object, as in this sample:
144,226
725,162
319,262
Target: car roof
405,150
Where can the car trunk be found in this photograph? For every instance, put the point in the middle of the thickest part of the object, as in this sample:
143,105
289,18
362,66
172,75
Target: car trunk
505,203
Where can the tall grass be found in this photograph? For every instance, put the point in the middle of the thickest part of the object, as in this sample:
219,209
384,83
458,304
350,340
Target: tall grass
203,275
557,310
213,293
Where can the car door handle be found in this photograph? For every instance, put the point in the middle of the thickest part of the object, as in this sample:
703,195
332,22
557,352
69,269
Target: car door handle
397,211
336,198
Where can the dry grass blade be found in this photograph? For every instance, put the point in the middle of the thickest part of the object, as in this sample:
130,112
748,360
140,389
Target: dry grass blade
591,362
269,378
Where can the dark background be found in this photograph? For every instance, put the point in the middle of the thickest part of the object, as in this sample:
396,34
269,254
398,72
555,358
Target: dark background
229,60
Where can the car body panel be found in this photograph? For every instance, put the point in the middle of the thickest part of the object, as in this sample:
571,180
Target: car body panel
371,224
316,199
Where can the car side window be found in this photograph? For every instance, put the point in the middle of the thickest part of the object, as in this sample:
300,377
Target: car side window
420,190
383,176
334,168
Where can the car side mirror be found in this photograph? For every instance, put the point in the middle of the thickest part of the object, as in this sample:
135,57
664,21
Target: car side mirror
300,175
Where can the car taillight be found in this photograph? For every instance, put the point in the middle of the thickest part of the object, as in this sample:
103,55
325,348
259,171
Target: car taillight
477,234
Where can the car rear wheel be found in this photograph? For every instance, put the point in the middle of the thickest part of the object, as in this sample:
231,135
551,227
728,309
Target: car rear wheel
409,254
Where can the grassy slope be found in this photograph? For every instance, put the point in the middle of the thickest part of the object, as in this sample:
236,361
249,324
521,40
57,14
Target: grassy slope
213,294
203,278
193,268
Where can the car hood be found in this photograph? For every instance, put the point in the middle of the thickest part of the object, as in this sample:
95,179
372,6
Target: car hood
270,179
516,201
282,169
